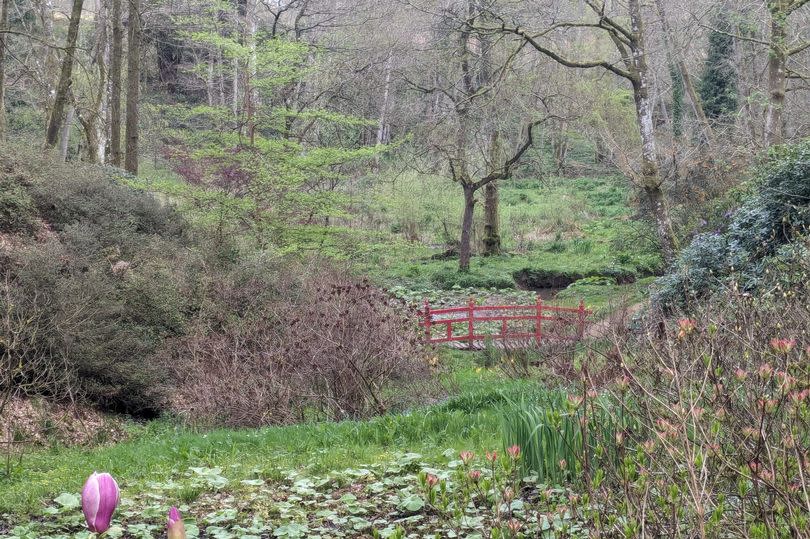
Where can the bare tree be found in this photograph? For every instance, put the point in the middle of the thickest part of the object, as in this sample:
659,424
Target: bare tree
677,58
629,41
65,77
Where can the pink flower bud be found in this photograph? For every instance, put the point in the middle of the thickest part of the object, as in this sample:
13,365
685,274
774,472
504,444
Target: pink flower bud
783,346
466,456
175,528
686,327
514,452
100,497
514,526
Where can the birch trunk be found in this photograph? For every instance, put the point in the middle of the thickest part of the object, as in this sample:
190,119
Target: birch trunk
381,126
209,80
650,176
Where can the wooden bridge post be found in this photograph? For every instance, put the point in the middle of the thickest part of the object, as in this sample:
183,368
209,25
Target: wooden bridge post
581,320
470,323
428,320
538,327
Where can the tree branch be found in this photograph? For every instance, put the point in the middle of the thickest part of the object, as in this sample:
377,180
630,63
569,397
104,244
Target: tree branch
565,61
505,171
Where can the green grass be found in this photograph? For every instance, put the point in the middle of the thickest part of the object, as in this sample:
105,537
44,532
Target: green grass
162,450
562,225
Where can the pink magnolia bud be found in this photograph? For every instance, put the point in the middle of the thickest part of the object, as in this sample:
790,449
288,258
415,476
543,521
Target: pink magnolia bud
100,497
175,528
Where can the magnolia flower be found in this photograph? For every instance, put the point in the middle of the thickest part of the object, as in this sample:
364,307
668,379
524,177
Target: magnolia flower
175,527
100,497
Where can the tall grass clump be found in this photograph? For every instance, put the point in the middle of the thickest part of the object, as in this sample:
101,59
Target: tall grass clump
565,437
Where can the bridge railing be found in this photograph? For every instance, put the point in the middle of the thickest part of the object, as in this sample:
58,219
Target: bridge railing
472,322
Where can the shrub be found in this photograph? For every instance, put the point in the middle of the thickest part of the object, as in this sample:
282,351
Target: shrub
17,211
99,292
774,215
721,402
326,346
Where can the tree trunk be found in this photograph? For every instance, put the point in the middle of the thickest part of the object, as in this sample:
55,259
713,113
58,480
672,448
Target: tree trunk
777,83
209,79
64,137
4,7
650,177
50,63
221,83
381,126
133,86
559,144
65,77
492,229
465,247
235,88
116,61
